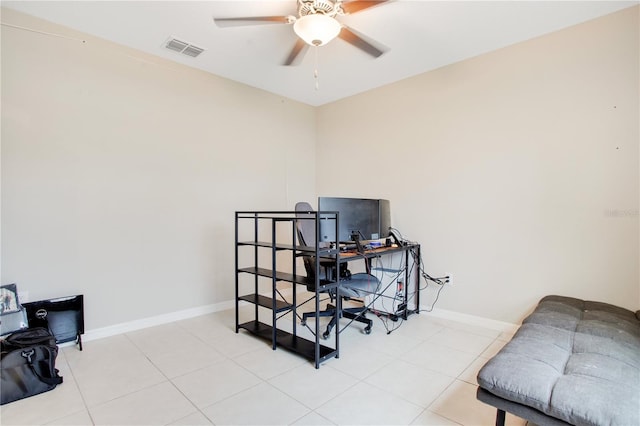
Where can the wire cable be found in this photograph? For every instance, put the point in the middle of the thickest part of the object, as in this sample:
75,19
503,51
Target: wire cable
439,281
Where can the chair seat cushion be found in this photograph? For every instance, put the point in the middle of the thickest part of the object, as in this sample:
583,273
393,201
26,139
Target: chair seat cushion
574,360
358,285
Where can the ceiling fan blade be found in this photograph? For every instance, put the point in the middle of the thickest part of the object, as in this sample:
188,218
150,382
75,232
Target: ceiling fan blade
251,20
298,51
358,41
357,6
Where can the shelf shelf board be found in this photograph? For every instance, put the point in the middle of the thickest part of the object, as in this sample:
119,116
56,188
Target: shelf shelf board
283,276
288,341
278,246
269,245
266,302
255,243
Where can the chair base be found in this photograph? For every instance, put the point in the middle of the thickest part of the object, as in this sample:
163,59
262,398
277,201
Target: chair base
356,314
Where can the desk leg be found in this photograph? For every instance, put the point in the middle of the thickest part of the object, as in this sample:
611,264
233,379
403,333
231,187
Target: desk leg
338,315
416,261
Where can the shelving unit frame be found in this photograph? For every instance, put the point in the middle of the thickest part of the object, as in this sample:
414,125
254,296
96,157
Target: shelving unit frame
312,350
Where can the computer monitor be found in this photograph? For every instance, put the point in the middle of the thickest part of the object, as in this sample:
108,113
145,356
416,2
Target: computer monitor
358,219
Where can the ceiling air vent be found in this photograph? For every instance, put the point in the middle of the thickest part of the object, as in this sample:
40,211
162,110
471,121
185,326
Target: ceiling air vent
183,47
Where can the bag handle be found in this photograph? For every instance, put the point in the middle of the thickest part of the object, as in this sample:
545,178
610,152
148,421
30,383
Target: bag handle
28,354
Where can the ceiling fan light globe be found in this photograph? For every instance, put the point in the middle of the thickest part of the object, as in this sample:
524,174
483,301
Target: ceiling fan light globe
317,29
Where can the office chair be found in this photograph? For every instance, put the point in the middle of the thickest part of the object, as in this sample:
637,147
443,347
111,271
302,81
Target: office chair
351,285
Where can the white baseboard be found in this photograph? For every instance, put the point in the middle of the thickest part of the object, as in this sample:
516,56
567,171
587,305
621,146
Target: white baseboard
126,327
474,320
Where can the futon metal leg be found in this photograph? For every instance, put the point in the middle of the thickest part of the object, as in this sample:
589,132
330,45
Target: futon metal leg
500,417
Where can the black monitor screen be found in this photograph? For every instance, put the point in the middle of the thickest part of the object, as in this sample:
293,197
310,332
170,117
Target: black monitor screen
359,218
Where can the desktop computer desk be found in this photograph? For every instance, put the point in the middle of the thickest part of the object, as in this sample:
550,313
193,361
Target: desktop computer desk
402,283
266,267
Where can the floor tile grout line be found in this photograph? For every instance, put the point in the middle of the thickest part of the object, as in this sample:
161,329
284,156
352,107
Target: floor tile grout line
266,380
226,358
122,395
84,402
198,410
260,379
442,393
166,379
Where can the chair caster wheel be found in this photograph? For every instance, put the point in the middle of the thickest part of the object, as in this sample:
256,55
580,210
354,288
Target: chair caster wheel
325,335
367,330
303,323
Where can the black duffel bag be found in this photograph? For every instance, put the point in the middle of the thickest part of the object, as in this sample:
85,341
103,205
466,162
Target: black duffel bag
27,364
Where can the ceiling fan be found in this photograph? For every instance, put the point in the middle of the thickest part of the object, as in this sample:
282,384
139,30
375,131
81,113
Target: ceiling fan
316,25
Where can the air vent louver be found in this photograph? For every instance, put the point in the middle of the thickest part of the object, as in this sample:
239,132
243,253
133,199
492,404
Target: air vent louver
183,47
192,51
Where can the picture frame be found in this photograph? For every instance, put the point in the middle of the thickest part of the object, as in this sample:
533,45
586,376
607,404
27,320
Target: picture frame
9,301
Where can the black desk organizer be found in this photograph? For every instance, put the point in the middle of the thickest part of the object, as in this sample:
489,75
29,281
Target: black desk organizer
63,316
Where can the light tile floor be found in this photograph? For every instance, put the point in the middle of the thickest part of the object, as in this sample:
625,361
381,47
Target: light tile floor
200,372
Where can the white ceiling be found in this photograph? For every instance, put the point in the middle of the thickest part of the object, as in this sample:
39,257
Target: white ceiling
420,36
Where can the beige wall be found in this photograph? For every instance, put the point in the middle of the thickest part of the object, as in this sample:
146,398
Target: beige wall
516,170
121,172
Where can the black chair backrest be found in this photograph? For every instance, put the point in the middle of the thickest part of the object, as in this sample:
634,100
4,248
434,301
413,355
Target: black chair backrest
306,231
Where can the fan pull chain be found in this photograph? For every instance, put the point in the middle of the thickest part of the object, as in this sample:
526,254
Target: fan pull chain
315,71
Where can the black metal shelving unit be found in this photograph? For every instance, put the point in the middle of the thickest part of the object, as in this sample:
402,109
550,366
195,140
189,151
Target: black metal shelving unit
264,293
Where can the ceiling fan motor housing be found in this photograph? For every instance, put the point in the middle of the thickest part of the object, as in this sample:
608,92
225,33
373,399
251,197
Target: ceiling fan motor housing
325,7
